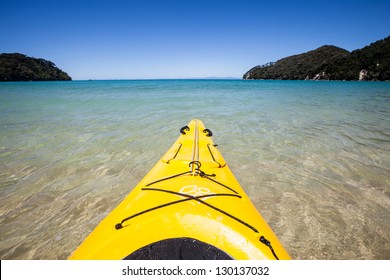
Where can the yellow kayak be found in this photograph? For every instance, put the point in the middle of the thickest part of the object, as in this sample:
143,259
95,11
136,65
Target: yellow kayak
189,206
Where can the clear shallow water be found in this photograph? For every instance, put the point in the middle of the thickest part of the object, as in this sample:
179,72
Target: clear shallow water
313,156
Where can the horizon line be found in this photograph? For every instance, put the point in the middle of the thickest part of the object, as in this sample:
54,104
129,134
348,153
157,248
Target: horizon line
135,79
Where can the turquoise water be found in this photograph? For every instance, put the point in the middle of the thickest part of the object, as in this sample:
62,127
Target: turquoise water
314,157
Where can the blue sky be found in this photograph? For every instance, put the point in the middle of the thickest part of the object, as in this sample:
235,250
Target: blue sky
119,39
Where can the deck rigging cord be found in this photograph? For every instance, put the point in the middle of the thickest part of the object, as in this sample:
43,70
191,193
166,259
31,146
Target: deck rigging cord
197,172
188,197
198,199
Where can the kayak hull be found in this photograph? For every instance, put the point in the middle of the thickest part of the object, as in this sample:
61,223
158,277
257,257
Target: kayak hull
189,206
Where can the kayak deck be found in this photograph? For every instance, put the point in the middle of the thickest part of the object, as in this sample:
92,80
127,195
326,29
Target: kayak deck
189,206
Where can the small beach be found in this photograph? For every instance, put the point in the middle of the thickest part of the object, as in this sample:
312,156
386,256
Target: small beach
314,157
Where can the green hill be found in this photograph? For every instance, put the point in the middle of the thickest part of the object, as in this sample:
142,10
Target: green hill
330,63
19,67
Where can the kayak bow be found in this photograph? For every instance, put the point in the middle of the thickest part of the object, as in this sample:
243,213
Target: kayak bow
189,206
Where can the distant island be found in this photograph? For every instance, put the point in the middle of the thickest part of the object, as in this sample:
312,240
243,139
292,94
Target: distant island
371,63
19,67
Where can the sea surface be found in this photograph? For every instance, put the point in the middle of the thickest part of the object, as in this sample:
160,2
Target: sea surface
314,157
